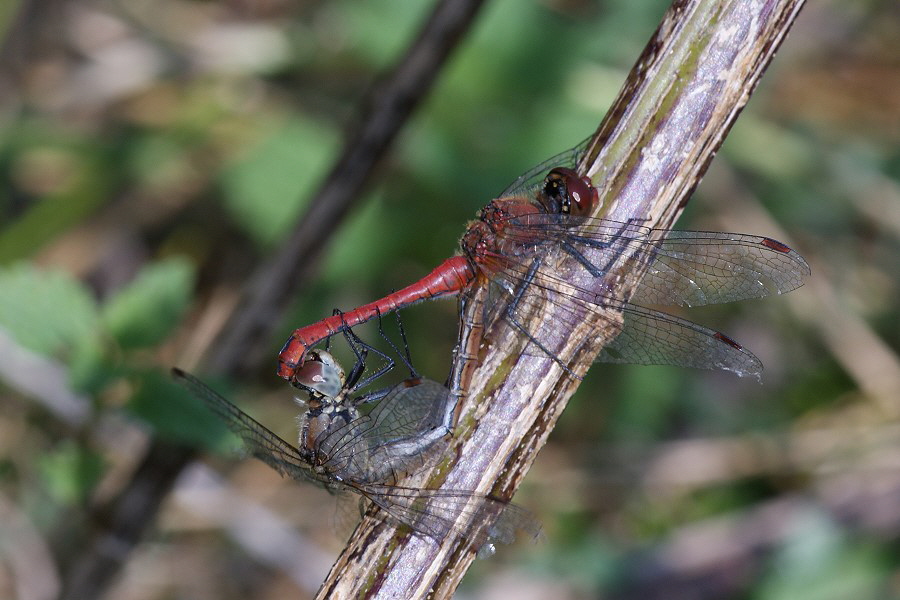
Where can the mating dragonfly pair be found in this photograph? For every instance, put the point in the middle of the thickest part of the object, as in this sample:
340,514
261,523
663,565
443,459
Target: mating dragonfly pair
345,449
541,218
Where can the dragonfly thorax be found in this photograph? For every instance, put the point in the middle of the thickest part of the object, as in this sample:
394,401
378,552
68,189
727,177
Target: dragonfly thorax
324,420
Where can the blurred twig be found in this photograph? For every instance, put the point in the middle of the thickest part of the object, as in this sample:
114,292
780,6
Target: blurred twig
28,560
34,29
386,109
264,535
679,101
42,378
868,359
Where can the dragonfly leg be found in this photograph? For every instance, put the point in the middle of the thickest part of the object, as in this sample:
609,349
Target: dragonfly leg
511,312
361,350
600,270
404,356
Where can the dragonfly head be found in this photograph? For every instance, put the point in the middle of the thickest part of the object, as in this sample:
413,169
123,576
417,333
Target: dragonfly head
320,375
565,192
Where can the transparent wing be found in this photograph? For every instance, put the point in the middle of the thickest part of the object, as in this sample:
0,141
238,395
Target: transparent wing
259,440
651,337
434,513
648,336
413,407
694,268
400,434
483,520
531,178
685,268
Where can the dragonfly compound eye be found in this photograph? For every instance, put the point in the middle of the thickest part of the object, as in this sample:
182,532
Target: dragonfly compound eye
320,375
576,194
554,195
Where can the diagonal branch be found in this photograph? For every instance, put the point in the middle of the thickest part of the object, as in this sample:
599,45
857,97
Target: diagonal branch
681,98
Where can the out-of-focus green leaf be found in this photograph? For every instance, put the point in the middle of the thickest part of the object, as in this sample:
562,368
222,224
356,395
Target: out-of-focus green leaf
46,311
750,143
177,415
267,189
365,229
144,313
375,27
71,472
651,415
818,562
86,187
8,11
589,563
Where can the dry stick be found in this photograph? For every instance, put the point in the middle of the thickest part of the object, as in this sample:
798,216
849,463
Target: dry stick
387,108
679,101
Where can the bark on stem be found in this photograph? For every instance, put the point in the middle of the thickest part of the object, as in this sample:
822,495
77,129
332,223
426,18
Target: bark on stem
679,101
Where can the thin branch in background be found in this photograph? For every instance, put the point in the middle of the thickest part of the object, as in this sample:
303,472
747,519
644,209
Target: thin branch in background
868,359
266,536
36,30
387,108
680,100
122,522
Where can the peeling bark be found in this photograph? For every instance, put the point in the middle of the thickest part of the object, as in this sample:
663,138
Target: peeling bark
681,98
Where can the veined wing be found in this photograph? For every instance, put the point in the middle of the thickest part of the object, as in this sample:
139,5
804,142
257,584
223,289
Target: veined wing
257,438
400,434
483,520
530,179
433,513
694,268
648,336
684,268
651,337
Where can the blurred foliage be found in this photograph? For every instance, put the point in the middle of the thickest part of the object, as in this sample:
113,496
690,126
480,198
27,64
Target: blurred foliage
142,313
46,311
153,154
259,195
70,472
177,415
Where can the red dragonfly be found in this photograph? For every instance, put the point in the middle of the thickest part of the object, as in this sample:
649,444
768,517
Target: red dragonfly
544,213
344,449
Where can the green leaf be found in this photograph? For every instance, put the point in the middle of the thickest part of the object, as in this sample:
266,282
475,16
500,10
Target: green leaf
177,415
49,312
145,312
266,191
819,561
88,181
71,472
